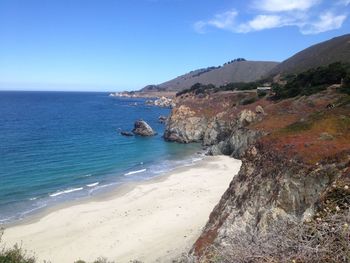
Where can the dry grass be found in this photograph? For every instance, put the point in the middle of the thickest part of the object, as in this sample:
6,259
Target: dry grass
322,241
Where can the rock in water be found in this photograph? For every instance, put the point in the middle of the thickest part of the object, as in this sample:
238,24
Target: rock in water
162,119
126,133
142,128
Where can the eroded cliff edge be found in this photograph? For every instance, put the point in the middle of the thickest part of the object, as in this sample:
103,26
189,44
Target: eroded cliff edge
294,153
218,120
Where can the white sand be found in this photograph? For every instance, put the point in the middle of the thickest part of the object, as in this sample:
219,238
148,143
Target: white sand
151,222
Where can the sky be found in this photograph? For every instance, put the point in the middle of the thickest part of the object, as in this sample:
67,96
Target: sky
114,45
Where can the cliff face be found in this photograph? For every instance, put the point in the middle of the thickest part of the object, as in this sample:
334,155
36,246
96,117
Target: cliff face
293,151
217,120
269,188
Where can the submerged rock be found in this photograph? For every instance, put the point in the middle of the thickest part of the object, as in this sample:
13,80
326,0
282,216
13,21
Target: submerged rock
142,128
126,133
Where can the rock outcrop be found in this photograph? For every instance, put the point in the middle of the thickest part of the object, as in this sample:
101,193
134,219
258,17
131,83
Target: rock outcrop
142,128
162,119
225,132
163,102
269,188
184,126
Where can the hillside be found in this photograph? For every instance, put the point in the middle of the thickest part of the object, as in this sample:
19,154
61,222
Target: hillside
289,202
238,71
322,54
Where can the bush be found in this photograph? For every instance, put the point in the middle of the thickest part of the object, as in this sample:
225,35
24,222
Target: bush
15,254
313,81
247,101
197,89
238,86
262,94
326,241
346,85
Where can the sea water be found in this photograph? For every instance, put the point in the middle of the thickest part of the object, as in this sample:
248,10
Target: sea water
59,146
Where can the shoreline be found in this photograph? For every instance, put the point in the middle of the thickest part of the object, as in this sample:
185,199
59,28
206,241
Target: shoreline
112,188
163,214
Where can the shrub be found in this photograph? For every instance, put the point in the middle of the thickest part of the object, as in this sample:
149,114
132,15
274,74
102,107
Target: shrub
346,85
247,101
197,89
326,241
314,80
15,254
262,94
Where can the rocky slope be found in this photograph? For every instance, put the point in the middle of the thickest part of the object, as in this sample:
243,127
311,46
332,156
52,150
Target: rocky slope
239,71
269,189
215,120
293,151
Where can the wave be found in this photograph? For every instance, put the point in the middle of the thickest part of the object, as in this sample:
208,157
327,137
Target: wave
135,172
66,191
92,185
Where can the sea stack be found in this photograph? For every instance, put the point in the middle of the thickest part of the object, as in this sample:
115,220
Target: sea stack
142,128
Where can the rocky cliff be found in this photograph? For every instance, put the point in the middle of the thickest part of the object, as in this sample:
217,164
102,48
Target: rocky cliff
295,164
269,189
216,120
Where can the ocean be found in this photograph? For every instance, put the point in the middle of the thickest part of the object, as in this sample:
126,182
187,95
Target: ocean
62,146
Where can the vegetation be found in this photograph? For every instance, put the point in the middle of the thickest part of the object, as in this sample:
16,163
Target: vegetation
15,254
247,101
99,260
314,80
202,71
288,242
235,60
346,84
323,238
197,89
238,86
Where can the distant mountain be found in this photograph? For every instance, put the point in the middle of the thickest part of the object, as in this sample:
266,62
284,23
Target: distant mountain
322,54
234,71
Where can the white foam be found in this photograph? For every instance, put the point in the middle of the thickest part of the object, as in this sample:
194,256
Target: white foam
196,159
92,185
33,198
66,191
135,172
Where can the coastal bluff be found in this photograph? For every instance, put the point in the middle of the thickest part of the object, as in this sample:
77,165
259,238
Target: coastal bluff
290,170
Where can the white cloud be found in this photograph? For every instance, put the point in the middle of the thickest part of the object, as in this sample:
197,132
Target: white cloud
325,22
281,13
226,21
284,5
261,22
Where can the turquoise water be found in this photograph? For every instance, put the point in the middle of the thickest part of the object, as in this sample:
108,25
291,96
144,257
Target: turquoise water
57,146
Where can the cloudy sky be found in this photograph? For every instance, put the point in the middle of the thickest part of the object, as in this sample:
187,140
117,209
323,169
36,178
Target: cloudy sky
127,44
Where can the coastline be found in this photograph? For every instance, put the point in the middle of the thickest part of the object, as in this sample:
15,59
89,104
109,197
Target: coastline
164,214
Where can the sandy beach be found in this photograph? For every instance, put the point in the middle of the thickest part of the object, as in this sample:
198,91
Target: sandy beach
153,221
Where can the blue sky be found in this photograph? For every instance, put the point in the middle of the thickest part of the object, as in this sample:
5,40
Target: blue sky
126,44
